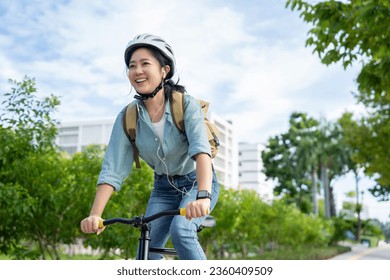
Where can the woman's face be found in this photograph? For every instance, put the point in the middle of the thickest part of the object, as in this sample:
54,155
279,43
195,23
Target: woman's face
145,72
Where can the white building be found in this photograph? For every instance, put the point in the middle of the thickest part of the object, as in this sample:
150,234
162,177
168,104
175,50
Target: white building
74,136
250,170
226,161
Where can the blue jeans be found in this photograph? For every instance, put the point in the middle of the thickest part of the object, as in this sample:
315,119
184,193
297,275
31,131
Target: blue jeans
183,233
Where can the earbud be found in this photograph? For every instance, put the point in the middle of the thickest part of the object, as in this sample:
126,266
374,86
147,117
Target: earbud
165,73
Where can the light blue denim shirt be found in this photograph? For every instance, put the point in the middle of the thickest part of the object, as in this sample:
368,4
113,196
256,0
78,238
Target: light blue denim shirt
172,156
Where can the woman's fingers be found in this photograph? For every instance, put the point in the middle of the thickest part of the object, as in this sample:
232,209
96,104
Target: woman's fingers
198,208
91,225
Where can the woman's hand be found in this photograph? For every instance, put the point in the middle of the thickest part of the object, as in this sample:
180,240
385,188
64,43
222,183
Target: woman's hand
91,225
198,208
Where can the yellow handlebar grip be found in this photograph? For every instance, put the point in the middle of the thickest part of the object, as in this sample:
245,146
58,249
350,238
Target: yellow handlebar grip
101,224
183,211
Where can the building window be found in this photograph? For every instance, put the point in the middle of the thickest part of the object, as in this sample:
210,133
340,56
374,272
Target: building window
70,129
68,139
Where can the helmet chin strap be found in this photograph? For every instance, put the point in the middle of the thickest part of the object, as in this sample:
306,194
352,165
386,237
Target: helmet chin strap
146,96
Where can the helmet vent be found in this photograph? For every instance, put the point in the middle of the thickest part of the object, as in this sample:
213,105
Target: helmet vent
169,49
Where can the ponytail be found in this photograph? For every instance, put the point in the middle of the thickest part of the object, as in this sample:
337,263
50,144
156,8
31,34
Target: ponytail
170,86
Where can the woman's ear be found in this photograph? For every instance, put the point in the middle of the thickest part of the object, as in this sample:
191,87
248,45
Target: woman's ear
166,70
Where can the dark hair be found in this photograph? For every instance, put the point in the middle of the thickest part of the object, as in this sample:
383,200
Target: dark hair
169,84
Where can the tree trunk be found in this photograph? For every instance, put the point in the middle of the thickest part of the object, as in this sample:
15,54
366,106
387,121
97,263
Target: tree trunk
358,208
314,192
332,203
325,184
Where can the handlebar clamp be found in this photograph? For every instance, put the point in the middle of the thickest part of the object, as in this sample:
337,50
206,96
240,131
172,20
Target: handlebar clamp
138,221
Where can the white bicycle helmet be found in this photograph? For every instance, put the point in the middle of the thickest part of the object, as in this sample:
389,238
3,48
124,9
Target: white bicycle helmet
154,41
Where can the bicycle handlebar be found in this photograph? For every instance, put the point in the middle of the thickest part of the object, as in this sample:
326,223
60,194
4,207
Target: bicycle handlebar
142,220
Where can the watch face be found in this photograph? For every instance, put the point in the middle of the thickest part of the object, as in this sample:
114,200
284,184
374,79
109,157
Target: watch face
203,194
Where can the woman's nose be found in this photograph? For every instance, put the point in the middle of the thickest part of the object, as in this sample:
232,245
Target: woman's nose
138,70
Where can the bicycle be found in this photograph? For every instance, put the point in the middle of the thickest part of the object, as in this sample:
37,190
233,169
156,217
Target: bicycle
143,224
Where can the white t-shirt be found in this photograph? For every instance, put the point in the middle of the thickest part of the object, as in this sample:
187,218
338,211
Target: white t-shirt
159,127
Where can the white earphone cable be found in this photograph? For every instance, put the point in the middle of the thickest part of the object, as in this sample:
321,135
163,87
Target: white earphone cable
183,192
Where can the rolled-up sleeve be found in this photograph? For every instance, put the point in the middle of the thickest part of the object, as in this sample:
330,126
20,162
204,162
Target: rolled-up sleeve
119,157
195,127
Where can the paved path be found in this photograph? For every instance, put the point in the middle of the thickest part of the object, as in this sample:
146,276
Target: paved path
361,252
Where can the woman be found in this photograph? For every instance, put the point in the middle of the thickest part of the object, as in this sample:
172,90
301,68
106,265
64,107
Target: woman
184,177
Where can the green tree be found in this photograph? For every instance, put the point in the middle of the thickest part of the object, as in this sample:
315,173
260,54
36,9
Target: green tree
29,117
295,158
224,234
130,201
51,219
83,171
250,229
349,129
42,190
350,32
285,161
333,161
354,207
30,172
304,131
386,231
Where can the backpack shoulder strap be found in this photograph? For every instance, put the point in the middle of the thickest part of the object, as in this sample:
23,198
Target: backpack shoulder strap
211,129
129,125
205,107
177,109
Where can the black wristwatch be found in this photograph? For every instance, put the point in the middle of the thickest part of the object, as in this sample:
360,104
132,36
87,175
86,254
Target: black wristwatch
203,194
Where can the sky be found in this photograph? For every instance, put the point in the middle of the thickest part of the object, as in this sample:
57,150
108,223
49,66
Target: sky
248,58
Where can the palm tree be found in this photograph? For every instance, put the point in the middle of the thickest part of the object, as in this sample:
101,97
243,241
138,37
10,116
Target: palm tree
333,162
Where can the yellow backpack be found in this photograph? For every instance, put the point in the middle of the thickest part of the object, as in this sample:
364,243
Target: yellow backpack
177,109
